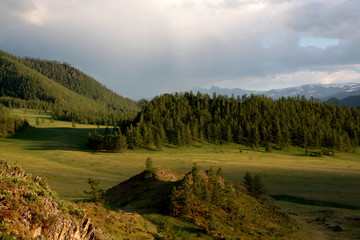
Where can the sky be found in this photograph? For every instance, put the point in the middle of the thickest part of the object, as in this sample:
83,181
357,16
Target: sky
142,48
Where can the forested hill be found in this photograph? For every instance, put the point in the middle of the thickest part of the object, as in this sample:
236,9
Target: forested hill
182,119
21,86
80,83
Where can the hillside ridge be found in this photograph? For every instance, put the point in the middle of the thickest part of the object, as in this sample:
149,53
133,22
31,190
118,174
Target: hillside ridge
22,86
220,208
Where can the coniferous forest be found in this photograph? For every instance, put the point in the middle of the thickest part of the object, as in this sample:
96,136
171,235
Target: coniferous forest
8,123
184,118
65,91
179,119
177,205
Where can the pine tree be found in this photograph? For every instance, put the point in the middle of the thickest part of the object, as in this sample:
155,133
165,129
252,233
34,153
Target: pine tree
158,142
248,181
228,134
96,193
255,136
148,136
239,135
219,172
149,166
258,186
187,137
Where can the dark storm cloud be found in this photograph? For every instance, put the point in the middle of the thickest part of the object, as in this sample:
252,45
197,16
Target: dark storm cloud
140,49
326,18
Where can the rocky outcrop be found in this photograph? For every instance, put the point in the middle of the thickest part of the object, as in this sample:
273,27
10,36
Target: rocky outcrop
29,209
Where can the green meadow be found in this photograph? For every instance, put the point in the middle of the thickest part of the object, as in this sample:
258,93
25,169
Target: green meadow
304,186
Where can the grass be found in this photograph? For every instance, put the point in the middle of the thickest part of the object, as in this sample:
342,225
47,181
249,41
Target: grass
57,152
119,224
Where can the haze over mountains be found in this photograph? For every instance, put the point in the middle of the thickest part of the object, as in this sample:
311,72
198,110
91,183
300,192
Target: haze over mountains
348,93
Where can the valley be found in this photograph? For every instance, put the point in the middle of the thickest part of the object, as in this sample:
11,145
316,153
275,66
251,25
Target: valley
305,186
68,130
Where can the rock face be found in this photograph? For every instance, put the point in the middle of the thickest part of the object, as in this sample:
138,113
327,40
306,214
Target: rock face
29,209
77,231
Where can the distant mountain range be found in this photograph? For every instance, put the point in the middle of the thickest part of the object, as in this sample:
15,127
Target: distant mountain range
344,94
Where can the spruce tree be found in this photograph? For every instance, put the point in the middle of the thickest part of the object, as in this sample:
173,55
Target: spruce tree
258,186
149,166
219,172
248,180
96,193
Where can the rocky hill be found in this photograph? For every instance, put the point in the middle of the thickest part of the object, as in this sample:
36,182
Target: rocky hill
29,209
201,204
145,192
156,204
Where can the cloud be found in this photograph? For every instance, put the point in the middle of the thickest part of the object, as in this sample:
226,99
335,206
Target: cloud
141,48
326,75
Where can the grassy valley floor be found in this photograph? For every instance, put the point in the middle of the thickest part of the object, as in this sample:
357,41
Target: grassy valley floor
319,192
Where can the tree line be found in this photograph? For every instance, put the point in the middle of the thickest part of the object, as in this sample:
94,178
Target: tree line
81,100
184,118
10,124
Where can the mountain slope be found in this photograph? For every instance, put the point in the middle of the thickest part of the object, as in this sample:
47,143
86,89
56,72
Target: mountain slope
353,101
321,91
19,82
80,83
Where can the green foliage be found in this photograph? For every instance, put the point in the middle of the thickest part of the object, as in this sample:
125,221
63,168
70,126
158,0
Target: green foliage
248,180
149,165
10,124
82,84
258,186
219,172
115,141
254,184
184,119
149,168
96,193
268,147
67,92
224,210
256,120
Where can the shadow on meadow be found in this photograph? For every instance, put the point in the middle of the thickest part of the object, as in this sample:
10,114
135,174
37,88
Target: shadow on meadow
60,138
299,200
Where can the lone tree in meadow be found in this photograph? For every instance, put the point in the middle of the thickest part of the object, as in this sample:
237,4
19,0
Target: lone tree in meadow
248,180
149,164
96,193
149,167
258,186
254,184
